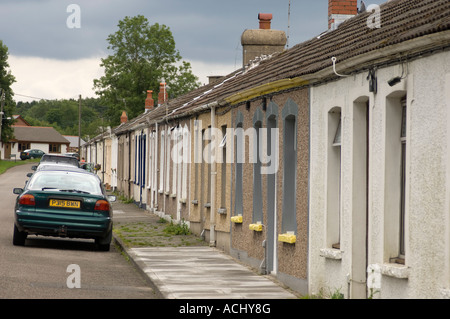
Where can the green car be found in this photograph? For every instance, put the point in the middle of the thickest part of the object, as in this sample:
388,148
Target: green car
27,154
65,202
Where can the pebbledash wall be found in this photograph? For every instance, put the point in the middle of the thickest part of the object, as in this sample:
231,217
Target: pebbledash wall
278,201
364,180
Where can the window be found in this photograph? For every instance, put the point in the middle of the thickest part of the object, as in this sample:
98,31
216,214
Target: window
403,181
257,179
197,159
289,212
186,160
24,146
175,137
334,178
55,148
337,136
135,159
222,146
396,145
161,162
179,160
208,136
167,190
152,160
239,160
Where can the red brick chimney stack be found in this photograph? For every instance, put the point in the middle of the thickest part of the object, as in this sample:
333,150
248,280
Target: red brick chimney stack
339,11
149,103
162,95
124,117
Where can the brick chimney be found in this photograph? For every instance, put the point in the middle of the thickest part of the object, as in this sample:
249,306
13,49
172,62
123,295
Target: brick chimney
163,96
214,78
262,41
339,11
149,103
124,117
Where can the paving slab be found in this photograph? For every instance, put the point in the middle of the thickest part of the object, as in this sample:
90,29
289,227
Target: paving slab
203,273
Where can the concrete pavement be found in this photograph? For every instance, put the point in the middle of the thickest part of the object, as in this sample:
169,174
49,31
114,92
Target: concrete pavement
194,272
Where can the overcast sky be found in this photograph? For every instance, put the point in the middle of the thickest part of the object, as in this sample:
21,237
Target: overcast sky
52,57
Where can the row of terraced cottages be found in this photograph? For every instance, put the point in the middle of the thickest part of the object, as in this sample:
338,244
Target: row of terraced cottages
326,165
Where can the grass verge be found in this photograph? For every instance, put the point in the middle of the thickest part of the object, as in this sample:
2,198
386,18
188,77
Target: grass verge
156,234
5,165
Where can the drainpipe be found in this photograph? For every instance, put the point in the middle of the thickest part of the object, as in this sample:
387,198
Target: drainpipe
212,223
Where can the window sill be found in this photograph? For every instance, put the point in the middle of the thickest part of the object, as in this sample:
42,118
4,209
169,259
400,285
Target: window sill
397,260
395,270
288,238
331,253
236,219
256,227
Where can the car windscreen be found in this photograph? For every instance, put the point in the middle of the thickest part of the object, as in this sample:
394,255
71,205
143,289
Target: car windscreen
65,181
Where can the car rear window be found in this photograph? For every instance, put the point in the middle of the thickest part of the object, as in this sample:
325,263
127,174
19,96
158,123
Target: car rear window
60,160
65,180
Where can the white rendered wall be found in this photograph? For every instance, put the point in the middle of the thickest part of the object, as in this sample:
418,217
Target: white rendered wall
427,86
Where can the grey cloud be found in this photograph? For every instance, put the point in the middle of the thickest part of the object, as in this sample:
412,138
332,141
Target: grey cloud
206,30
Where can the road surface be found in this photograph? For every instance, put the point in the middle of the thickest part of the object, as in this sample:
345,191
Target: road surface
54,268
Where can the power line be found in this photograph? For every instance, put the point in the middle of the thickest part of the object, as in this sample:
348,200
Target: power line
31,97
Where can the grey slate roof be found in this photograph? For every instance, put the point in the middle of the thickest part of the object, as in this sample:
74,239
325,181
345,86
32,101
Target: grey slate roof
38,135
401,21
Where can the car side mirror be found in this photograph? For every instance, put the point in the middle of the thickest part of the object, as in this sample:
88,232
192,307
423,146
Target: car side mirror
112,198
29,174
34,167
18,191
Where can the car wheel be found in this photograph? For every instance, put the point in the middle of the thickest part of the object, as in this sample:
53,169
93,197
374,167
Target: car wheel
103,244
19,237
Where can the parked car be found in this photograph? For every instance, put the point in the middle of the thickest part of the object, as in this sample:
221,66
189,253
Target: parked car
59,159
32,153
90,167
64,202
76,155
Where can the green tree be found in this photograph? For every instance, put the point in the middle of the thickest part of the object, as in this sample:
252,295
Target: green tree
143,55
63,115
6,80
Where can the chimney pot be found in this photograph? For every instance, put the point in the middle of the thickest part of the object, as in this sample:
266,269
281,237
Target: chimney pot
265,20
